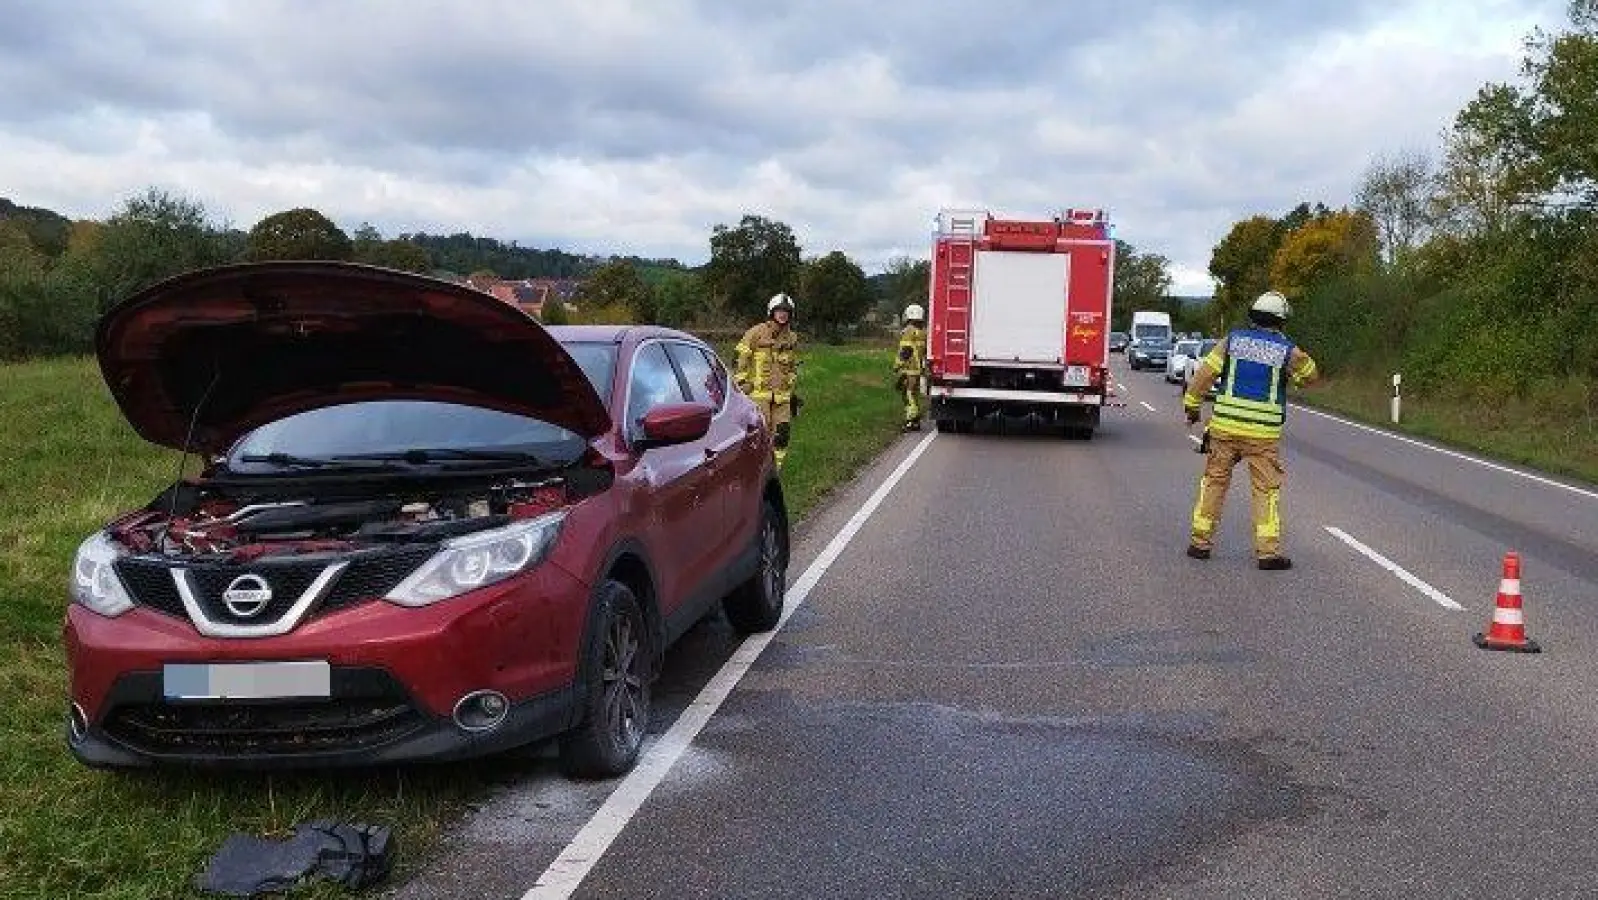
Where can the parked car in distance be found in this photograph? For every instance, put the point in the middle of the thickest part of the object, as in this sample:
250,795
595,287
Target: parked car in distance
1118,341
427,527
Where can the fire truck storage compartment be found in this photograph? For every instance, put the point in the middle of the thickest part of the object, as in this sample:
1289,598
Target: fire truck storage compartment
1018,313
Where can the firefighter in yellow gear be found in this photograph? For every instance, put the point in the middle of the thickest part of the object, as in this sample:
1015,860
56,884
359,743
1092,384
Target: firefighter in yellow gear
768,369
1251,370
910,364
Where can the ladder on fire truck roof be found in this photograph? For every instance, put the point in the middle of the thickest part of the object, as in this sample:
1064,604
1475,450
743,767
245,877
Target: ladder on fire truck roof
962,222
963,229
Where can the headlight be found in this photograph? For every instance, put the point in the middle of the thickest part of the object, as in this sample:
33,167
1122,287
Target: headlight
94,582
478,560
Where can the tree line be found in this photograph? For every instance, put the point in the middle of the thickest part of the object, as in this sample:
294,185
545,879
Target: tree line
1471,269
58,276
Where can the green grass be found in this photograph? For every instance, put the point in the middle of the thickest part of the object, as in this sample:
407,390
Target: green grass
851,413
67,462
1553,429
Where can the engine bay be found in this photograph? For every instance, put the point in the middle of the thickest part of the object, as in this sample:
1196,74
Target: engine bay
215,524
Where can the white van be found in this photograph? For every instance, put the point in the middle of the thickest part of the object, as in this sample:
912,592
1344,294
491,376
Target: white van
1151,340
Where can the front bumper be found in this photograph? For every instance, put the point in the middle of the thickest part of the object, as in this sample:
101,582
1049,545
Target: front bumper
396,678
369,720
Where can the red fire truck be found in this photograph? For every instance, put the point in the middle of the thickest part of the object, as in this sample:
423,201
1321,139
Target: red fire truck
1019,318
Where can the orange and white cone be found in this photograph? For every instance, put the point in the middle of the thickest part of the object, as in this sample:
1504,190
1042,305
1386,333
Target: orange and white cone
1507,630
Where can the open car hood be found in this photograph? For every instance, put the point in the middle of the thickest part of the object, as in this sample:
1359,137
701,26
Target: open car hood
224,350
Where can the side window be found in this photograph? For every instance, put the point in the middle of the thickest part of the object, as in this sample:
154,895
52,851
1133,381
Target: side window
654,382
720,370
704,383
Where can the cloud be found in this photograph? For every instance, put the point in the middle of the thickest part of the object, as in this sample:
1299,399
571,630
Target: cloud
633,127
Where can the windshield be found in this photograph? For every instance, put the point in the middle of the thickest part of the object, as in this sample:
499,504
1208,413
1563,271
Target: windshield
1151,332
1187,348
379,427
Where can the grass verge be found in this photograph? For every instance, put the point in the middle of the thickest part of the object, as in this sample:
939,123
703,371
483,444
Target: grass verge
68,461
1550,430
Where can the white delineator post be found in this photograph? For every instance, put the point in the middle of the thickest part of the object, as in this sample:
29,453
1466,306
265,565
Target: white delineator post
1397,402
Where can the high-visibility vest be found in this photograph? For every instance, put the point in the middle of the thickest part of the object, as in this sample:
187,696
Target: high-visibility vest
1251,392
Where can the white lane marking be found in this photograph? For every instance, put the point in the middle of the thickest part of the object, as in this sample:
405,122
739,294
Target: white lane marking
1147,406
569,869
1592,495
1195,439
1442,598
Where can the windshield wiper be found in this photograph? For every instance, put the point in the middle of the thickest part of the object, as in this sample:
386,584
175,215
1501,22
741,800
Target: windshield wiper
289,460
424,455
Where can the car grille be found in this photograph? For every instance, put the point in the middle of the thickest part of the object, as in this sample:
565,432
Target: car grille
371,711
368,576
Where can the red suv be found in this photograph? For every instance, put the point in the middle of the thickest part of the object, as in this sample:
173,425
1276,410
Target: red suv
426,527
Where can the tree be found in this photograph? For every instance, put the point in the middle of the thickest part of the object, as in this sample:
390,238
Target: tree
1487,178
1241,262
833,296
1298,216
555,312
1342,243
749,263
681,299
406,256
301,233
1141,281
46,229
153,236
1395,193
22,268
618,293
907,282
1559,117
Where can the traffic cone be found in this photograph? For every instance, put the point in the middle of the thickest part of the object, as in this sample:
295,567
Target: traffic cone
1507,630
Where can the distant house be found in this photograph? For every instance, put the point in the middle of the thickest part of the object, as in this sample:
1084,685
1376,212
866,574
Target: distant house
529,294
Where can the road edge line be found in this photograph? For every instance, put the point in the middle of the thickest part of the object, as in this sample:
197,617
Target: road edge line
588,846
1403,439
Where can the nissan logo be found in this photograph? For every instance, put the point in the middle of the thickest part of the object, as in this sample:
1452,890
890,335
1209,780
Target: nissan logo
247,595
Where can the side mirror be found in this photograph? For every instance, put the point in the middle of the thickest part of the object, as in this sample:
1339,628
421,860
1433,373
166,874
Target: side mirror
675,423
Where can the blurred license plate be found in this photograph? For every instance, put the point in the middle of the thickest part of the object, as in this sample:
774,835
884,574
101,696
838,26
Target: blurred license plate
246,681
1077,376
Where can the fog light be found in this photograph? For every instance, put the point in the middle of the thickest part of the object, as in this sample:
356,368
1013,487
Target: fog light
77,722
481,711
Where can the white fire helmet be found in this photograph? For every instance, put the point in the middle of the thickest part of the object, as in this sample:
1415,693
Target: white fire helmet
1273,304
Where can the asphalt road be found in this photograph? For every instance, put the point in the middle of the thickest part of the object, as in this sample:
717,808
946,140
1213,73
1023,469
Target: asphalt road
1012,683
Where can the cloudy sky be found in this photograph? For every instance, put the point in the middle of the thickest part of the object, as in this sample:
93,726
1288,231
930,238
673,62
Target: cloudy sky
633,126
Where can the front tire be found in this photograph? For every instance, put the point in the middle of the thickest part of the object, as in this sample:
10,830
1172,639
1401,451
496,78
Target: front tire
618,665
757,603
